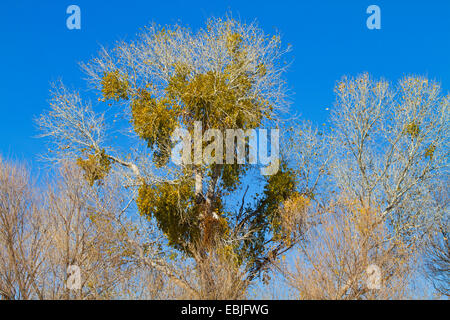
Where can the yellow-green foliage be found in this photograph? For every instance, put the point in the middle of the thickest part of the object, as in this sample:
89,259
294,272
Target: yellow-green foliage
95,167
219,99
429,152
279,188
230,176
177,214
154,121
174,210
114,86
234,41
211,98
412,129
290,217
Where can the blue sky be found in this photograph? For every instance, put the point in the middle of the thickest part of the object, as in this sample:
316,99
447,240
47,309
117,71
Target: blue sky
329,39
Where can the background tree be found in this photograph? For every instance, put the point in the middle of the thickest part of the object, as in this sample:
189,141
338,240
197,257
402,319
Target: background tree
437,246
437,265
386,147
22,235
343,246
44,229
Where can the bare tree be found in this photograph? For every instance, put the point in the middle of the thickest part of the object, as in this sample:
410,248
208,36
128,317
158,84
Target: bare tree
394,144
437,246
84,233
23,236
385,146
349,254
46,230
438,260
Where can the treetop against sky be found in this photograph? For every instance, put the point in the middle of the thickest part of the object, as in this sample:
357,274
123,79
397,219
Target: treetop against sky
328,39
